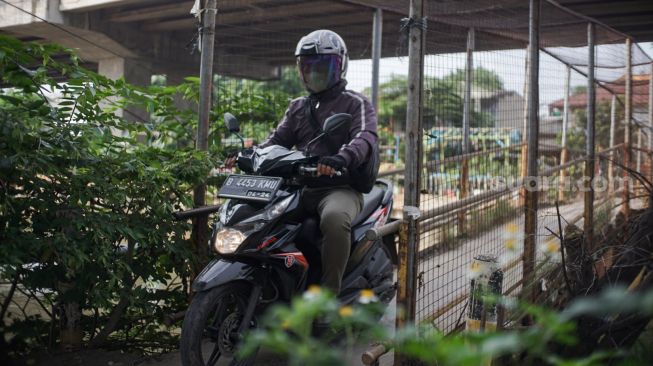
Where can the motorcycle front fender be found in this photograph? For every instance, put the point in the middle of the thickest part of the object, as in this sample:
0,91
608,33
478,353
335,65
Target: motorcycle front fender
220,271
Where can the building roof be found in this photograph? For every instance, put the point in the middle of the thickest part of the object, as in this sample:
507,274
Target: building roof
640,93
253,37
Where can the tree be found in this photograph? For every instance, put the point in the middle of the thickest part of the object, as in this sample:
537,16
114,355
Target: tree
392,102
483,79
576,136
259,105
443,99
579,89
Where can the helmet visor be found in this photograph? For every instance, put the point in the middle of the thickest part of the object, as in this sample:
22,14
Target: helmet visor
319,72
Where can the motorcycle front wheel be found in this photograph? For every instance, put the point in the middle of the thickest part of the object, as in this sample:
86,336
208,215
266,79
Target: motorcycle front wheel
210,329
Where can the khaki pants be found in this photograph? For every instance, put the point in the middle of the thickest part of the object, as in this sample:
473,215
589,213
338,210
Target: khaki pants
337,207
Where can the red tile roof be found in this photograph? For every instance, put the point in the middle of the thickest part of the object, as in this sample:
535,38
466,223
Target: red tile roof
640,93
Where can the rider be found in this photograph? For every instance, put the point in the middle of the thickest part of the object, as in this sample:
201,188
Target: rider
322,64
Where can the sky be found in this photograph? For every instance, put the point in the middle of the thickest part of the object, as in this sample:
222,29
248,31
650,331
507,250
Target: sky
509,65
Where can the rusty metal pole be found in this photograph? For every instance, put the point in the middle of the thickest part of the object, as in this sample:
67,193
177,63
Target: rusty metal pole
628,115
613,124
377,34
588,216
200,224
564,152
523,168
530,220
409,240
650,120
467,109
639,146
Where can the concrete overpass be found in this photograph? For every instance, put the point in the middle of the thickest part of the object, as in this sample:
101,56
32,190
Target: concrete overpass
138,38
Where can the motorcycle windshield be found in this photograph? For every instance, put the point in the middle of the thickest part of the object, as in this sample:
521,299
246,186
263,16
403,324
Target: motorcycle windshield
275,159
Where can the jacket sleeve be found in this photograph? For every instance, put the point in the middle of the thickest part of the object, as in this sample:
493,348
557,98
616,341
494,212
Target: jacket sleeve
283,135
362,131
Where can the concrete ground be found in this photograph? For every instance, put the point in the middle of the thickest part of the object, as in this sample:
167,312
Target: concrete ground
443,280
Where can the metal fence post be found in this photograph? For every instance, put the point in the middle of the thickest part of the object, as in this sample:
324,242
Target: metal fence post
406,276
200,224
628,115
588,220
639,146
530,220
523,168
467,108
564,152
650,120
377,34
613,123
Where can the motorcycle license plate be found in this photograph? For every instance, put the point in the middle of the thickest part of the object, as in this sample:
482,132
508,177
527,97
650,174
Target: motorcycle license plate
250,187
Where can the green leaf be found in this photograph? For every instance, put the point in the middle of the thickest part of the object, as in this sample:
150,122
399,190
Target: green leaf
11,99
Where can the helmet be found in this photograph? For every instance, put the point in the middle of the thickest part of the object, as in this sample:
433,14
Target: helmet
322,59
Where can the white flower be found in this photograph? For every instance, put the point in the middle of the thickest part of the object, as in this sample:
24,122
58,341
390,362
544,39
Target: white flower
367,296
512,230
312,293
477,270
551,249
513,242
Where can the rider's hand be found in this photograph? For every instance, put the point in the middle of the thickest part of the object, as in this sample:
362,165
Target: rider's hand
230,160
330,165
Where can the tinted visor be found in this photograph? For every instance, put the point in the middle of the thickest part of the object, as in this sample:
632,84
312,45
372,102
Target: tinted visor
319,72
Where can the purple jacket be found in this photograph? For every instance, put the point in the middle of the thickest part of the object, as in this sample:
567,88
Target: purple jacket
354,145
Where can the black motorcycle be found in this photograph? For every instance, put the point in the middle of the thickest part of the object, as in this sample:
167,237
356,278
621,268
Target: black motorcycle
268,251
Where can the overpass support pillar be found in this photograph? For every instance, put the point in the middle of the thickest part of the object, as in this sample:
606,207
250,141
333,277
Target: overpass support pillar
135,72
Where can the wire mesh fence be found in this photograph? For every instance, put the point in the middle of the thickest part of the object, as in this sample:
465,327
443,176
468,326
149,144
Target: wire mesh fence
492,121
488,89
474,120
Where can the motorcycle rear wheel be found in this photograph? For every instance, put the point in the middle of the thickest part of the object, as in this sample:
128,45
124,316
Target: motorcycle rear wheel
211,323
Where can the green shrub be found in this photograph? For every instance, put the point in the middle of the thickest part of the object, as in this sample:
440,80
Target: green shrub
551,340
86,197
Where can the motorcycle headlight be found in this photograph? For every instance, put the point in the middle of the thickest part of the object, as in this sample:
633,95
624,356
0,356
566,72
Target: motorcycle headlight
227,240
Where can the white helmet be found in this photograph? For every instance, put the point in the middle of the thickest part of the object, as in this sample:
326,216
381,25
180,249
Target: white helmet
322,59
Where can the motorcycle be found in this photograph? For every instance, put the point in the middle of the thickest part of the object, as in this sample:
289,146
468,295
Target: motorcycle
268,251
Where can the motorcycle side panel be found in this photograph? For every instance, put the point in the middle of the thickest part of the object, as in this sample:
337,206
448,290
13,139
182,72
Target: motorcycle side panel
220,271
375,271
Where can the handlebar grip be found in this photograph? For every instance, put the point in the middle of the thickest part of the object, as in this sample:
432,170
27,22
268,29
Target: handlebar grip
312,171
205,210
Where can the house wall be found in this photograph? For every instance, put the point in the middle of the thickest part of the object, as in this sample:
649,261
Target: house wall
509,111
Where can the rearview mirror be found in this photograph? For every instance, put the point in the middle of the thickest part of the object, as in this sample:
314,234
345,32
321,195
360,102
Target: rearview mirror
232,123
335,122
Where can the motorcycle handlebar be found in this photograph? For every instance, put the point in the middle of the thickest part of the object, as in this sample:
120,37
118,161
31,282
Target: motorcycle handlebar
311,171
205,210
